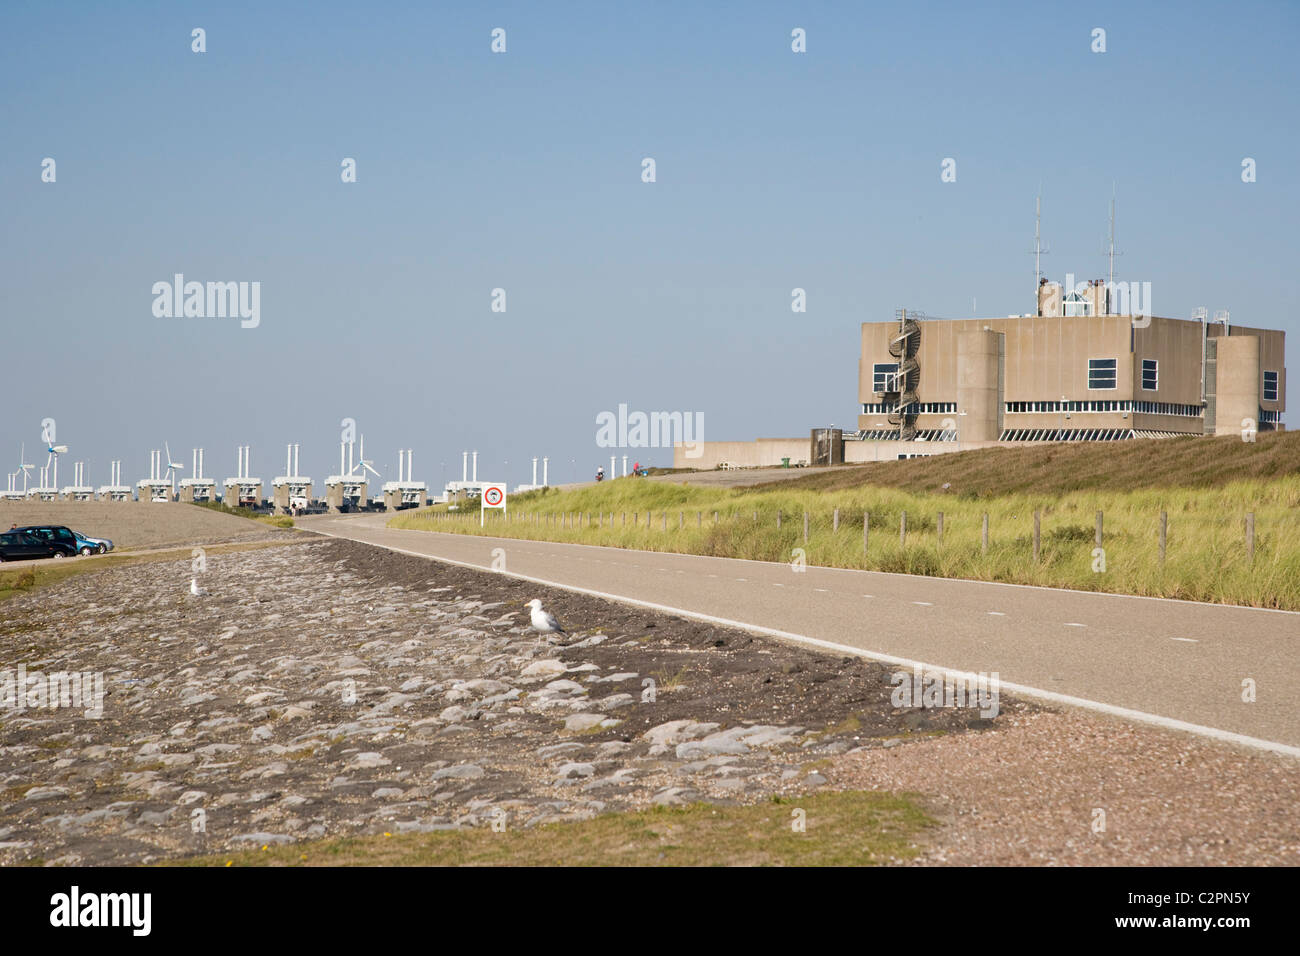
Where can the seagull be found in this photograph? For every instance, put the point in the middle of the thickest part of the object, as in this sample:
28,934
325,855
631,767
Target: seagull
195,589
544,621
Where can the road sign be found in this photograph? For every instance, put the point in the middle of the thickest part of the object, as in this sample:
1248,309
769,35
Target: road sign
494,496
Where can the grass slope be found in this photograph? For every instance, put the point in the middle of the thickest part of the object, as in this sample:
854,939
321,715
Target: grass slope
1079,466
1206,557
851,828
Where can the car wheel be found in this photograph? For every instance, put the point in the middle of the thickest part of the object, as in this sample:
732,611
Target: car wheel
59,554
103,549
87,550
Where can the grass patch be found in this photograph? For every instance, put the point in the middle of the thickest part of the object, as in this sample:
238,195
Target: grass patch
275,521
853,828
1205,559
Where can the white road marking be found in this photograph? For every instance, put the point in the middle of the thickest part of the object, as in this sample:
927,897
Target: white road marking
823,590
1073,624
997,613
1187,640
923,603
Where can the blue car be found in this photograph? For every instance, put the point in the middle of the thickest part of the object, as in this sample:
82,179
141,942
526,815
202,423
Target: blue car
88,545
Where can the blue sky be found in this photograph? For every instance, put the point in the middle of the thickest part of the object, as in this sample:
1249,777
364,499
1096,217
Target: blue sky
522,171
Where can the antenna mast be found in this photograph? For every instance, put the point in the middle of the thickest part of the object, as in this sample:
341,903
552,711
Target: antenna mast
1110,279
1039,251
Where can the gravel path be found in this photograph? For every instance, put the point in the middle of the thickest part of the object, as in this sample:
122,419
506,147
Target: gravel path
1031,794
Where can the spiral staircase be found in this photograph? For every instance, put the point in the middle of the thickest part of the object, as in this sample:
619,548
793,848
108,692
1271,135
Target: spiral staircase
901,388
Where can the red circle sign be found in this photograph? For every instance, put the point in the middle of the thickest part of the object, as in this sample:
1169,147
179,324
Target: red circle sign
493,495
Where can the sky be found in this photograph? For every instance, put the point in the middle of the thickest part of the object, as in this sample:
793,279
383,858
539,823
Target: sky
523,171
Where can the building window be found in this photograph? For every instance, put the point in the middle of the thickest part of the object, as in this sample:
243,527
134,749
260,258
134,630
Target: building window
1101,373
882,376
1270,386
1076,304
1150,374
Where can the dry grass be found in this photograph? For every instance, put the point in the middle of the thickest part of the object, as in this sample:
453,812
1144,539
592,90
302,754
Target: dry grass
841,829
1206,557
1077,466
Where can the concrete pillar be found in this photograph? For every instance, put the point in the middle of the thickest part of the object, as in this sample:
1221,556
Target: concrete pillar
979,385
1237,381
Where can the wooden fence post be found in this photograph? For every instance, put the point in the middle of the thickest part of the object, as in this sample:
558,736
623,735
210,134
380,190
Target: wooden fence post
1097,537
902,529
778,519
984,534
1250,535
1164,534
866,529
1037,536
940,527
805,527
835,520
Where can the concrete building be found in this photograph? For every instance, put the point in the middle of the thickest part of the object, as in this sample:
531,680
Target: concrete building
243,490
197,488
1075,371
291,491
406,492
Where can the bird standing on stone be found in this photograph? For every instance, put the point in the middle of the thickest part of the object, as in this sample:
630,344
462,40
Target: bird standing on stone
195,589
544,621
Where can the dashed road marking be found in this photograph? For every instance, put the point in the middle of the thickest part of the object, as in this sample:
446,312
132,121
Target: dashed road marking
997,613
1185,640
1074,624
923,603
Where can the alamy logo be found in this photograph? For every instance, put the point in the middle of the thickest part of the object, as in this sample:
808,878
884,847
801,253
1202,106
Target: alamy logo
1124,298
133,910
20,690
210,300
653,430
936,691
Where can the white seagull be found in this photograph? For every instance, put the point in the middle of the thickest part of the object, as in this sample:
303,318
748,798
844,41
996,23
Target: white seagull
195,589
544,621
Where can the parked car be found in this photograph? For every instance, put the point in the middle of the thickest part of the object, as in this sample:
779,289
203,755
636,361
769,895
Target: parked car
88,545
56,534
16,546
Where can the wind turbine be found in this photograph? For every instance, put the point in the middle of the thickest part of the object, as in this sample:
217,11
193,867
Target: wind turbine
23,466
367,465
172,468
55,451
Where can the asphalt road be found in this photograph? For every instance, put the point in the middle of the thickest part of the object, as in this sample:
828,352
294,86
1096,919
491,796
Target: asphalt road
1174,663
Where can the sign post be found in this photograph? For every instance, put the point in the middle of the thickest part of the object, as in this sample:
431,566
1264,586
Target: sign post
494,496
